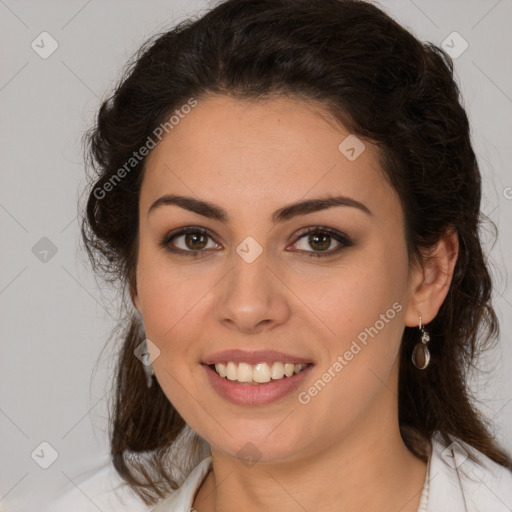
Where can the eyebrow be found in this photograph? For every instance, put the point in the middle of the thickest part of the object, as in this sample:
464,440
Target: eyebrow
287,212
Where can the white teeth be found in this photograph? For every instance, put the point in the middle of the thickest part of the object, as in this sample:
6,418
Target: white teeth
261,373
244,372
258,373
221,369
277,371
231,371
289,369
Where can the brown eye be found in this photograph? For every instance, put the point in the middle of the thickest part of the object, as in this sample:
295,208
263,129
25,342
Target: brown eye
188,240
195,241
321,240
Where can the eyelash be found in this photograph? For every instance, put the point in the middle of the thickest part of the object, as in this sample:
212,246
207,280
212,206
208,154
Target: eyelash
341,238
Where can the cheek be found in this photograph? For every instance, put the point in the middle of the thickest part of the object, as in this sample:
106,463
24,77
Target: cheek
172,303
169,302
364,313
351,298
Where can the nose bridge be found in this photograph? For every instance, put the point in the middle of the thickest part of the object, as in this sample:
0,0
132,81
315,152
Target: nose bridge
249,280
251,297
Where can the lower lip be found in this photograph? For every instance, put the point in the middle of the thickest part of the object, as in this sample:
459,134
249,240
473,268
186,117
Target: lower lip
255,394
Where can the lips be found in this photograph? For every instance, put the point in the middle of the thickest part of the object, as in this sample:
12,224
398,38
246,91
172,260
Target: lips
252,394
245,386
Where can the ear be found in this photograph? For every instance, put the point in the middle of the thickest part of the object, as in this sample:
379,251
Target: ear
430,280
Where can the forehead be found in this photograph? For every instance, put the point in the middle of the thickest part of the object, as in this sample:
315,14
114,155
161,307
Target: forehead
258,153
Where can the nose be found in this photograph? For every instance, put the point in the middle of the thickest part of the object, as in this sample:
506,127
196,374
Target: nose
251,298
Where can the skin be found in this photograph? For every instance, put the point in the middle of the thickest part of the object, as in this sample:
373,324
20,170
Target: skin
251,158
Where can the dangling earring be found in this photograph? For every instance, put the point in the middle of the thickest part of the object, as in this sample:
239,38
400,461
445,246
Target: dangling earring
149,376
420,354
147,366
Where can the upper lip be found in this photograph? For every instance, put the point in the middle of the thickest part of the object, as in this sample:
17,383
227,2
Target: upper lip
253,357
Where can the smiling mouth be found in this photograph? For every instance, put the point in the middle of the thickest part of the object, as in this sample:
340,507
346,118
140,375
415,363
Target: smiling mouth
254,374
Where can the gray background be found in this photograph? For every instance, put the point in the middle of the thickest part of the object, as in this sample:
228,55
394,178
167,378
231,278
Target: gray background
54,318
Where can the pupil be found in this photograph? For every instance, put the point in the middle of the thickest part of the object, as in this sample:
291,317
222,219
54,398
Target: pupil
192,238
313,239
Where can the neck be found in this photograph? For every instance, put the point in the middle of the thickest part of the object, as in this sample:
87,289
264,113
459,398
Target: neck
370,469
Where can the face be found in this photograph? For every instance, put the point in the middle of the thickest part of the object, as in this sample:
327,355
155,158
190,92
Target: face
326,288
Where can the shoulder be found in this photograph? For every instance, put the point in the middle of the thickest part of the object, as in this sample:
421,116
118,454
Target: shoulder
459,483
181,500
93,485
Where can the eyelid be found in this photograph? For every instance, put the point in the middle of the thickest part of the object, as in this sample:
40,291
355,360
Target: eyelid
166,240
343,239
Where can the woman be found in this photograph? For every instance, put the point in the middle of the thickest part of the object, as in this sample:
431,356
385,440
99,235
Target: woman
288,192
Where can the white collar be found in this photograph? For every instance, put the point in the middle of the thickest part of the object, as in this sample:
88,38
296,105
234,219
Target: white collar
459,484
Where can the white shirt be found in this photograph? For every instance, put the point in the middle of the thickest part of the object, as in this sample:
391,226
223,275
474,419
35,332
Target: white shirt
453,483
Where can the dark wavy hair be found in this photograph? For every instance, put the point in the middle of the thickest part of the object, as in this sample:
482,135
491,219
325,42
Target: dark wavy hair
383,85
